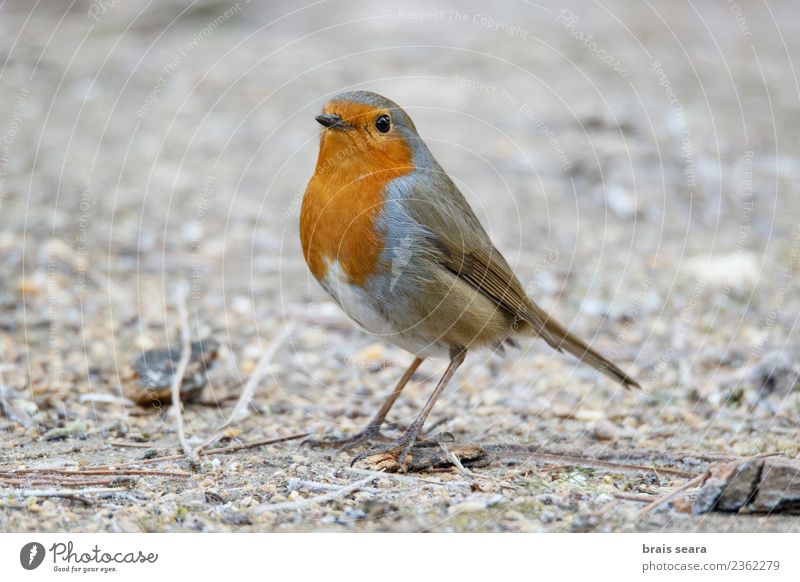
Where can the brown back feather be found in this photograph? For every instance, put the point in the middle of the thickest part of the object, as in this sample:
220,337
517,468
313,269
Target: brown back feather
475,260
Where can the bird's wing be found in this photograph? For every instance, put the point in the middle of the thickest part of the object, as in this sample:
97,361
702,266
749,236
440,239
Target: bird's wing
465,249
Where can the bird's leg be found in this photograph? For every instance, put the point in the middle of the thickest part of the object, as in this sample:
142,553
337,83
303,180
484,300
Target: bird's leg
373,430
399,449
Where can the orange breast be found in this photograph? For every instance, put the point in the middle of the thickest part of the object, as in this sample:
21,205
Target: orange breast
342,204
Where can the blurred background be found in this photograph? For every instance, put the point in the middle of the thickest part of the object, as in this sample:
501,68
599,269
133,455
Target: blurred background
636,162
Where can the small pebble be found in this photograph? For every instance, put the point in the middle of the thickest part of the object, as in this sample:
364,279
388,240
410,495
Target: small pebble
466,507
605,430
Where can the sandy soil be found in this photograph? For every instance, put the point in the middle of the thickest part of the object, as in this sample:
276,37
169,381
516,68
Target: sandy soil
636,162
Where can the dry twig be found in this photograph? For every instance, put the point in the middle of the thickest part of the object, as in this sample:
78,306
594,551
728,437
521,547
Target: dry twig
65,477
219,451
641,497
76,494
181,293
110,472
453,458
578,461
254,444
319,486
131,445
672,494
303,503
54,479
249,388
408,479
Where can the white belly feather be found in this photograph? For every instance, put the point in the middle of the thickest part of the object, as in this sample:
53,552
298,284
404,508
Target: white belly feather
360,306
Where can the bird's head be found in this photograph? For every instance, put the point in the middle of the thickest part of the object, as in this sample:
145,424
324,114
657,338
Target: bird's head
367,129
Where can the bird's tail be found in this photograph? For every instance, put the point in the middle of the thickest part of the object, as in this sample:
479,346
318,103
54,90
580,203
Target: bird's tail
562,340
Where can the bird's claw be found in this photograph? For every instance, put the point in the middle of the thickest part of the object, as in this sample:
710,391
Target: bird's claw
391,458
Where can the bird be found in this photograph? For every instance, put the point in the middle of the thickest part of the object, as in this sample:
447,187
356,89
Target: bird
389,236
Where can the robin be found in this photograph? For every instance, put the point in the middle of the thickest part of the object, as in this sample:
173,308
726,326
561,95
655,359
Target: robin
389,236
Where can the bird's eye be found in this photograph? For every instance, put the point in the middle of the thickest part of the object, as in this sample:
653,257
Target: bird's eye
383,124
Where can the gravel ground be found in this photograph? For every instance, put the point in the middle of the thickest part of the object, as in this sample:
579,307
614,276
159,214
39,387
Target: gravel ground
636,163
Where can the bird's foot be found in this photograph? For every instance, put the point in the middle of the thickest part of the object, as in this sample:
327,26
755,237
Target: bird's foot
393,457
420,456
365,437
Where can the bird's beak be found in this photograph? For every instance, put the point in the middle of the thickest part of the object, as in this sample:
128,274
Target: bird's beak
332,121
